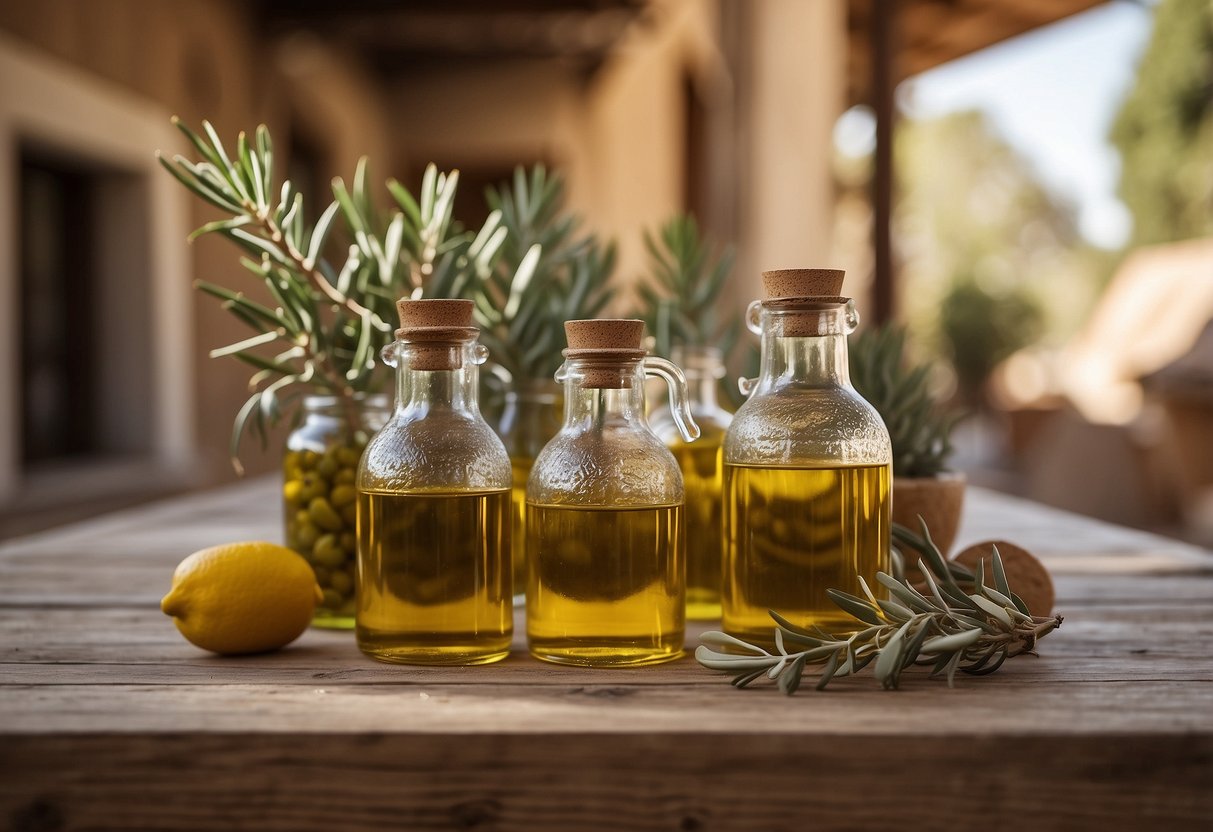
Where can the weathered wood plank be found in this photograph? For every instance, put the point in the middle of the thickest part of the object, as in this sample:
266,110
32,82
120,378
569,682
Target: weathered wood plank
727,780
1019,702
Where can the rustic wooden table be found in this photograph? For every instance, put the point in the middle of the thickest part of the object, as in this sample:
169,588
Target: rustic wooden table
109,720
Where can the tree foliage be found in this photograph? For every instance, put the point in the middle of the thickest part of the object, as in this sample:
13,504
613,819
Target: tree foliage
1164,130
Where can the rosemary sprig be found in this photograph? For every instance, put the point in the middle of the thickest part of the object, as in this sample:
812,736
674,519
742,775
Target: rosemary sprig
679,299
958,624
547,274
324,323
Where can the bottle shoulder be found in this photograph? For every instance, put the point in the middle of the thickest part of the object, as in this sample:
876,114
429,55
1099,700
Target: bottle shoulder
450,450
830,425
615,467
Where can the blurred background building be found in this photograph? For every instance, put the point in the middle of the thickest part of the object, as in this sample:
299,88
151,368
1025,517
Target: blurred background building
1027,183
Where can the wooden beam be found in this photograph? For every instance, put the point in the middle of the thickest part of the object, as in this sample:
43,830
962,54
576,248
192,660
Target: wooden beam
882,49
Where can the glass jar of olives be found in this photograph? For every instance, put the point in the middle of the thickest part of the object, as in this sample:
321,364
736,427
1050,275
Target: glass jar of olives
319,498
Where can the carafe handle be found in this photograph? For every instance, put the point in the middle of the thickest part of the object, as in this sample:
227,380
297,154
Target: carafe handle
680,399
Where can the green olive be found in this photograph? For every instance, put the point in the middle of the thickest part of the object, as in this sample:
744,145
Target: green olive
323,575
308,459
350,515
305,537
328,466
341,582
342,495
313,486
322,514
346,476
332,599
301,517
349,543
348,457
327,552
291,491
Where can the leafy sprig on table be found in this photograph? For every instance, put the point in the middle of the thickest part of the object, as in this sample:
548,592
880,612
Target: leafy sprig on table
327,319
959,623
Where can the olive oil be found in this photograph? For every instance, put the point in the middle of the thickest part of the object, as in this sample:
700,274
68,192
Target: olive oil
605,585
702,478
793,533
521,469
434,582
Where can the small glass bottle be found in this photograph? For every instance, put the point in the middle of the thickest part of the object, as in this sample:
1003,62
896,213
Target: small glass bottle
318,495
530,418
606,543
702,475
434,584
807,467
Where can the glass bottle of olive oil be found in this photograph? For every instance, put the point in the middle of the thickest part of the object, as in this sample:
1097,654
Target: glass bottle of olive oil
530,418
702,467
807,467
606,571
434,584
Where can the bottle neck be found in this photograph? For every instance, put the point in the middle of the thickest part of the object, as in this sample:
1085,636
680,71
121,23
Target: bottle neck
702,389
812,354
422,391
703,367
597,397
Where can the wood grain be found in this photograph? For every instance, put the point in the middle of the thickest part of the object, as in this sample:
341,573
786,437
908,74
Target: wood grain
109,720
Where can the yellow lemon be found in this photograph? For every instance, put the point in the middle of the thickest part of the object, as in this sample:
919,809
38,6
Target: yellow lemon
242,597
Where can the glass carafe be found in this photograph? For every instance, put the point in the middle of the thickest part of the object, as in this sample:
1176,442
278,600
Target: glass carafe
807,467
605,531
702,475
530,418
434,583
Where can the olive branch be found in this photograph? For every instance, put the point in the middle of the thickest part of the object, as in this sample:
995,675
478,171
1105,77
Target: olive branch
326,319
958,624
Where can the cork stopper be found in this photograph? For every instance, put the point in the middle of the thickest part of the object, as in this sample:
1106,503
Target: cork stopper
605,334
806,296
803,283
437,329
601,346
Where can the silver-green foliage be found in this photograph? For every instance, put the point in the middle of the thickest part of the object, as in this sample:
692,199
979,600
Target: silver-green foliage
679,298
958,623
919,429
326,320
548,273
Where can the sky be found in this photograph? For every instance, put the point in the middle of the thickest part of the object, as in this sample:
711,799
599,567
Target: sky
1052,94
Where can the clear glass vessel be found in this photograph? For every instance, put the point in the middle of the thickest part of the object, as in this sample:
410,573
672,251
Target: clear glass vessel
702,468
434,583
605,530
530,418
807,475
318,496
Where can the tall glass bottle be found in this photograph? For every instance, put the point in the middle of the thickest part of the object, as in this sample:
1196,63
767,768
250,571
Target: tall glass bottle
702,468
605,536
434,583
807,467
530,418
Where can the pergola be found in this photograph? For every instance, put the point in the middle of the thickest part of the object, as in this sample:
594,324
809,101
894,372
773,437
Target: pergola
888,41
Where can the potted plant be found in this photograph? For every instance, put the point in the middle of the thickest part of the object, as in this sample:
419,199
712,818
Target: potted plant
920,430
